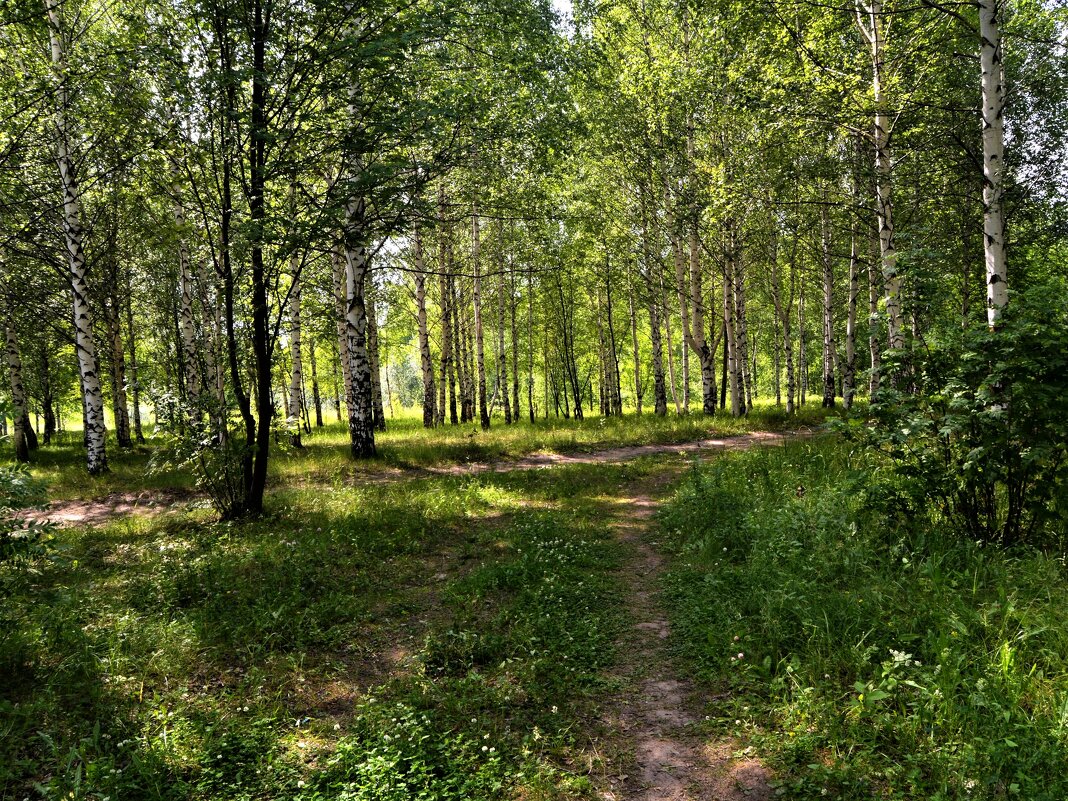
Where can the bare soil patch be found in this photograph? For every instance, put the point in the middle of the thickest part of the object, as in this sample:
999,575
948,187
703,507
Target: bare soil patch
651,722
98,511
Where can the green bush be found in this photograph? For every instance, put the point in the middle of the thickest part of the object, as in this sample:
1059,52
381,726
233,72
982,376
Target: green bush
982,433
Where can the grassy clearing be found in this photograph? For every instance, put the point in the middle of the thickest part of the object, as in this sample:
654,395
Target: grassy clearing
405,444
433,638
867,657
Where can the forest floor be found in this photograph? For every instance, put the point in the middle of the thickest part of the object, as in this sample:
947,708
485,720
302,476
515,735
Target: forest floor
676,610
509,596
95,511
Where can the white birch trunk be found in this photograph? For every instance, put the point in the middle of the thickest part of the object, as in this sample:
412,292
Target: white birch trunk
666,311
634,344
849,375
741,322
990,60
426,365
875,291
186,326
729,323
870,21
377,409
340,286
85,344
828,309
480,351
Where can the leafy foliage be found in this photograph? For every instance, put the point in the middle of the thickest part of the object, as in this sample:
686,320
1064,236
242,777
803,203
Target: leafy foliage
20,539
984,436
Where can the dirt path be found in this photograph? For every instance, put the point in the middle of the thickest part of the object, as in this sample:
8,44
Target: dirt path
651,721
614,455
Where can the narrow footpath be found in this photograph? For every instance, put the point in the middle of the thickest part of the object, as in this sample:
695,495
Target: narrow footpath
653,717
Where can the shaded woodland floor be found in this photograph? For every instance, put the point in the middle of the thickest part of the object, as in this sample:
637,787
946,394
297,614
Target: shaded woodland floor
594,620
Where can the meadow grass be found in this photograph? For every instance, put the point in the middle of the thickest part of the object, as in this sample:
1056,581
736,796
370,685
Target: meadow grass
862,655
437,637
404,444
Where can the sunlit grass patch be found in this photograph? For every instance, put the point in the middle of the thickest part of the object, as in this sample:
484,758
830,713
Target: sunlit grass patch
865,658
176,657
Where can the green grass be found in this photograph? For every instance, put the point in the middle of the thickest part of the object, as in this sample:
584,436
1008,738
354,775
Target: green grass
179,658
866,658
405,444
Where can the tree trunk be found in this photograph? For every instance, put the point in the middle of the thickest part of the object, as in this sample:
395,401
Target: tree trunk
135,383
444,263
802,341
990,59
85,344
828,309
19,412
262,345
340,283
426,366
502,354
849,375
659,389
186,326
117,363
513,300
634,345
872,30
614,393
875,291
480,352
530,346
361,409
729,309
776,299
296,376
665,308
317,398
741,321
374,350
48,401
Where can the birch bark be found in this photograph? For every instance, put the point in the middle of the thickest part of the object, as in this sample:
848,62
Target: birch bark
870,21
85,343
426,365
480,352
990,60
373,347
634,345
828,309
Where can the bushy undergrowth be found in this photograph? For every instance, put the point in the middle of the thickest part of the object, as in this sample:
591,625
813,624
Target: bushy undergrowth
868,657
978,425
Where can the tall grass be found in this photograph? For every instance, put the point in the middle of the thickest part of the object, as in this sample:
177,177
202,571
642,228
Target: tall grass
867,658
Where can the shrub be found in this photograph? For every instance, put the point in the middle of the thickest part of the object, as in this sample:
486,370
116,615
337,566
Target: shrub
218,464
983,438
20,539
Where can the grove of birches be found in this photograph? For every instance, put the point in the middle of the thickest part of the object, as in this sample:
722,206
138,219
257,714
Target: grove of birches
228,227
243,215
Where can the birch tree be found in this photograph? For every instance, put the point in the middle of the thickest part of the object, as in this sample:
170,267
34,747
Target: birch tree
85,342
